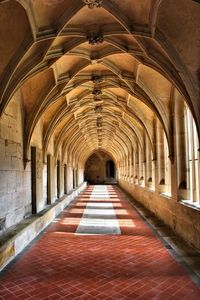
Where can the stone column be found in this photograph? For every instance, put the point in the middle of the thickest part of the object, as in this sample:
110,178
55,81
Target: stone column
149,176
69,178
37,180
50,179
140,166
180,143
136,178
80,175
75,178
65,178
59,178
160,156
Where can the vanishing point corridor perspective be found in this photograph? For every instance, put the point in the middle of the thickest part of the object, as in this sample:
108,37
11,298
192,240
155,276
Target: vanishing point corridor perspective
100,149
98,248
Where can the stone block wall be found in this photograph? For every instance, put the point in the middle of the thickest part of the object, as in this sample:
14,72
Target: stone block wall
182,219
15,182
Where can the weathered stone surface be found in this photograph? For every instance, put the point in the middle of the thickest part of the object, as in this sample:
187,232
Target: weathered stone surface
15,182
15,240
183,220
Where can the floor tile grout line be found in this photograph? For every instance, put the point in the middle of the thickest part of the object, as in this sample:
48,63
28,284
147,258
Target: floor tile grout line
101,227
194,276
38,237
122,296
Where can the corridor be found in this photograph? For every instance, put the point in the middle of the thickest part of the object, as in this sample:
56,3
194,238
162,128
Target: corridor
98,248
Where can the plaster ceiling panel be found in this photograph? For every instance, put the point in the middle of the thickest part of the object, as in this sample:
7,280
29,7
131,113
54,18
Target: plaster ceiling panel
36,50
68,63
61,124
60,41
76,92
96,68
123,61
136,11
36,88
48,12
95,17
156,83
14,28
83,109
126,41
50,113
180,22
133,121
118,92
141,108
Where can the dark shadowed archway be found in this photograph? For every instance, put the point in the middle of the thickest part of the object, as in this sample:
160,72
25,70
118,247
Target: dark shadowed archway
99,168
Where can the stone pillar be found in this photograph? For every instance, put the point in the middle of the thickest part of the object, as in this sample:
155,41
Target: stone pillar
37,180
140,167
154,175
80,175
65,178
62,180
74,178
149,176
180,143
50,179
160,156
77,177
131,168
59,179
69,178
136,178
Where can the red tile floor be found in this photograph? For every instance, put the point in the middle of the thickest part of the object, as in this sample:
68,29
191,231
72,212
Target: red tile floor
64,264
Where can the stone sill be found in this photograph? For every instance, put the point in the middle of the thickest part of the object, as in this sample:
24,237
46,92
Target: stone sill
162,194
166,196
16,239
190,204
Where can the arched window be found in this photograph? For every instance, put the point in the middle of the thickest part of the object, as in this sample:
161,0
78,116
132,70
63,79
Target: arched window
192,158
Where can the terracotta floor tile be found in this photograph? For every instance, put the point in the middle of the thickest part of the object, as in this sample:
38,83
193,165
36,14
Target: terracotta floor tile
62,264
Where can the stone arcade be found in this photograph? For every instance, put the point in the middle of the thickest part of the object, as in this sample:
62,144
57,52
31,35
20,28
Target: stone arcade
101,91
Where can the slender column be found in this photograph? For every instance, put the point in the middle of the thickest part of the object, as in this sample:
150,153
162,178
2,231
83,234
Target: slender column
160,156
50,179
65,178
180,144
69,178
136,179
37,180
149,180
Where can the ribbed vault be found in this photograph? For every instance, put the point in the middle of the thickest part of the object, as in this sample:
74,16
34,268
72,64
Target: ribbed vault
99,78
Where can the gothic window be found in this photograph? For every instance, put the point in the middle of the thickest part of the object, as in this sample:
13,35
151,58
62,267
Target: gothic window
192,158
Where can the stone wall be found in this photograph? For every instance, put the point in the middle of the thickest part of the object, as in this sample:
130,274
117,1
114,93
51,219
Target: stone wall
182,219
30,228
15,182
41,170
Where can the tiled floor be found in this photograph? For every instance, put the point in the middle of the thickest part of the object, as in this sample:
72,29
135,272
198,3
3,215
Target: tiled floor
99,248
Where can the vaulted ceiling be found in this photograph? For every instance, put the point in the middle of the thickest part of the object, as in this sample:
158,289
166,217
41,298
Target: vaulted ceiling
98,77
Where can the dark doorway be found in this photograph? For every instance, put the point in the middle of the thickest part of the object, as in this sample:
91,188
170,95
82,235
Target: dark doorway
110,169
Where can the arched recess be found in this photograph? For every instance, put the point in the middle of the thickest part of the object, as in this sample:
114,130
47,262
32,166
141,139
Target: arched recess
97,168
